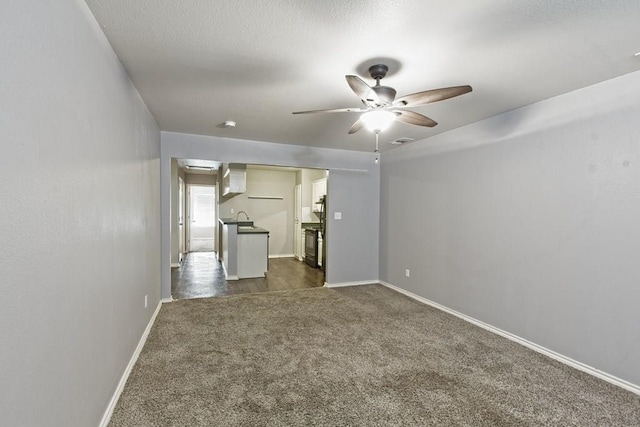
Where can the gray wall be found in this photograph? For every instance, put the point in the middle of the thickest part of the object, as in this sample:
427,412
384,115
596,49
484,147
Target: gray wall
529,221
354,183
201,179
277,216
352,241
80,238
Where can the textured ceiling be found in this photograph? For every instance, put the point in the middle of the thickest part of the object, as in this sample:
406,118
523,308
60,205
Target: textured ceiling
198,63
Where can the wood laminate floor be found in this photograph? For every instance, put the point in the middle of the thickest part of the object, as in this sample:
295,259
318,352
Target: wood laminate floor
202,276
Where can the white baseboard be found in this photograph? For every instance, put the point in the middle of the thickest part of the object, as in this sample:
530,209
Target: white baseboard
228,276
123,380
343,284
166,300
282,256
175,264
533,346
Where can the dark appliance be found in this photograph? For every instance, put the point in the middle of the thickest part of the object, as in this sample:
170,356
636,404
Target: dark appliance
311,246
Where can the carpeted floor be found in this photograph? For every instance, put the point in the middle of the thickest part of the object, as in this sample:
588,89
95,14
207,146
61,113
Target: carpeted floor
363,355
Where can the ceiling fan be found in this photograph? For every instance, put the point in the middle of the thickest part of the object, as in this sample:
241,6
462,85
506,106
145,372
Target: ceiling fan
381,107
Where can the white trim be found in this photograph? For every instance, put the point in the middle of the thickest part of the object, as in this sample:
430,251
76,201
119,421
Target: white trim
227,276
175,264
106,417
282,256
166,300
533,346
344,284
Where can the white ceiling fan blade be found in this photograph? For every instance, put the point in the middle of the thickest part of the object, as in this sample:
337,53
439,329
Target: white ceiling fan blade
413,118
429,96
356,127
363,90
333,110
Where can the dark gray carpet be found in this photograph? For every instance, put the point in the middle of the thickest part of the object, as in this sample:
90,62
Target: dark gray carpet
364,356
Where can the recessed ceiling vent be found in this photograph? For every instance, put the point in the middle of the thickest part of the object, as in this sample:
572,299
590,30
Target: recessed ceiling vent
401,141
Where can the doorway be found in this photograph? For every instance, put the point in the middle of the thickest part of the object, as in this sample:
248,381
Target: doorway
297,230
201,225
182,244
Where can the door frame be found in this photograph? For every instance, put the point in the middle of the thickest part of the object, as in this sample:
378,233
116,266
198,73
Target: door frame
182,248
188,214
298,247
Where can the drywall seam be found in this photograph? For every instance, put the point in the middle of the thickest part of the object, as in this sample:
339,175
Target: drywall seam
533,346
106,418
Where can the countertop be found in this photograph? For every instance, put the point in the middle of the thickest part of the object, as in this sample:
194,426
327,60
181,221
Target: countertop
244,227
234,221
252,230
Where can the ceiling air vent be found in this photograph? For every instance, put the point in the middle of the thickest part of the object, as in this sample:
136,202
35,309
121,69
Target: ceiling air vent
401,141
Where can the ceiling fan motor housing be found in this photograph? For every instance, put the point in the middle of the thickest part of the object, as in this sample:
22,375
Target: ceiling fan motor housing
386,95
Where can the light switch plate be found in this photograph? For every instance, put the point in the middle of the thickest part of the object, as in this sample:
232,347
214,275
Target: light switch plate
337,215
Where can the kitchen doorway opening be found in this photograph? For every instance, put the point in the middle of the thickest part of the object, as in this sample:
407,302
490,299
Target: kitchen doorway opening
282,202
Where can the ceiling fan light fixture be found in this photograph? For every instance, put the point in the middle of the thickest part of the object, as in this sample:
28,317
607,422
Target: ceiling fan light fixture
378,120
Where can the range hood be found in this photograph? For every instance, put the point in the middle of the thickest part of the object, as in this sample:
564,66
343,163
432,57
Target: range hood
234,179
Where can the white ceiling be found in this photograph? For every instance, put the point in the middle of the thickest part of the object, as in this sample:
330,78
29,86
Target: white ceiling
198,63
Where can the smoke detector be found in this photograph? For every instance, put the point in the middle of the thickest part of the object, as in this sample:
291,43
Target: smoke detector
229,124
401,141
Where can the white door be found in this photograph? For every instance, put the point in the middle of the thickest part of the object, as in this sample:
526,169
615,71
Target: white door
297,230
202,225
181,228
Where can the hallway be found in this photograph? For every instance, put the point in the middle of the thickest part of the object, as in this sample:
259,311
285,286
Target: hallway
202,276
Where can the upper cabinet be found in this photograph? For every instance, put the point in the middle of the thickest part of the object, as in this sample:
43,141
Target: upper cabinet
234,179
318,189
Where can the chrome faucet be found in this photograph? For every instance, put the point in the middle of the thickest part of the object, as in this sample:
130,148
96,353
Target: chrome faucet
245,214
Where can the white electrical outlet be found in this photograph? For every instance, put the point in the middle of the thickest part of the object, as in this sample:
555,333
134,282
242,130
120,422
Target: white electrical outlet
337,215
146,301
407,273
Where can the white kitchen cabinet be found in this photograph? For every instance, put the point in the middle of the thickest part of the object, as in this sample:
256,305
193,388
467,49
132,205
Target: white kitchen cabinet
234,180
252,255
318,189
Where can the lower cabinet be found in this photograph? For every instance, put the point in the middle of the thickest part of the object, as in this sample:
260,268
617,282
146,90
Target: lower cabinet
253,254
